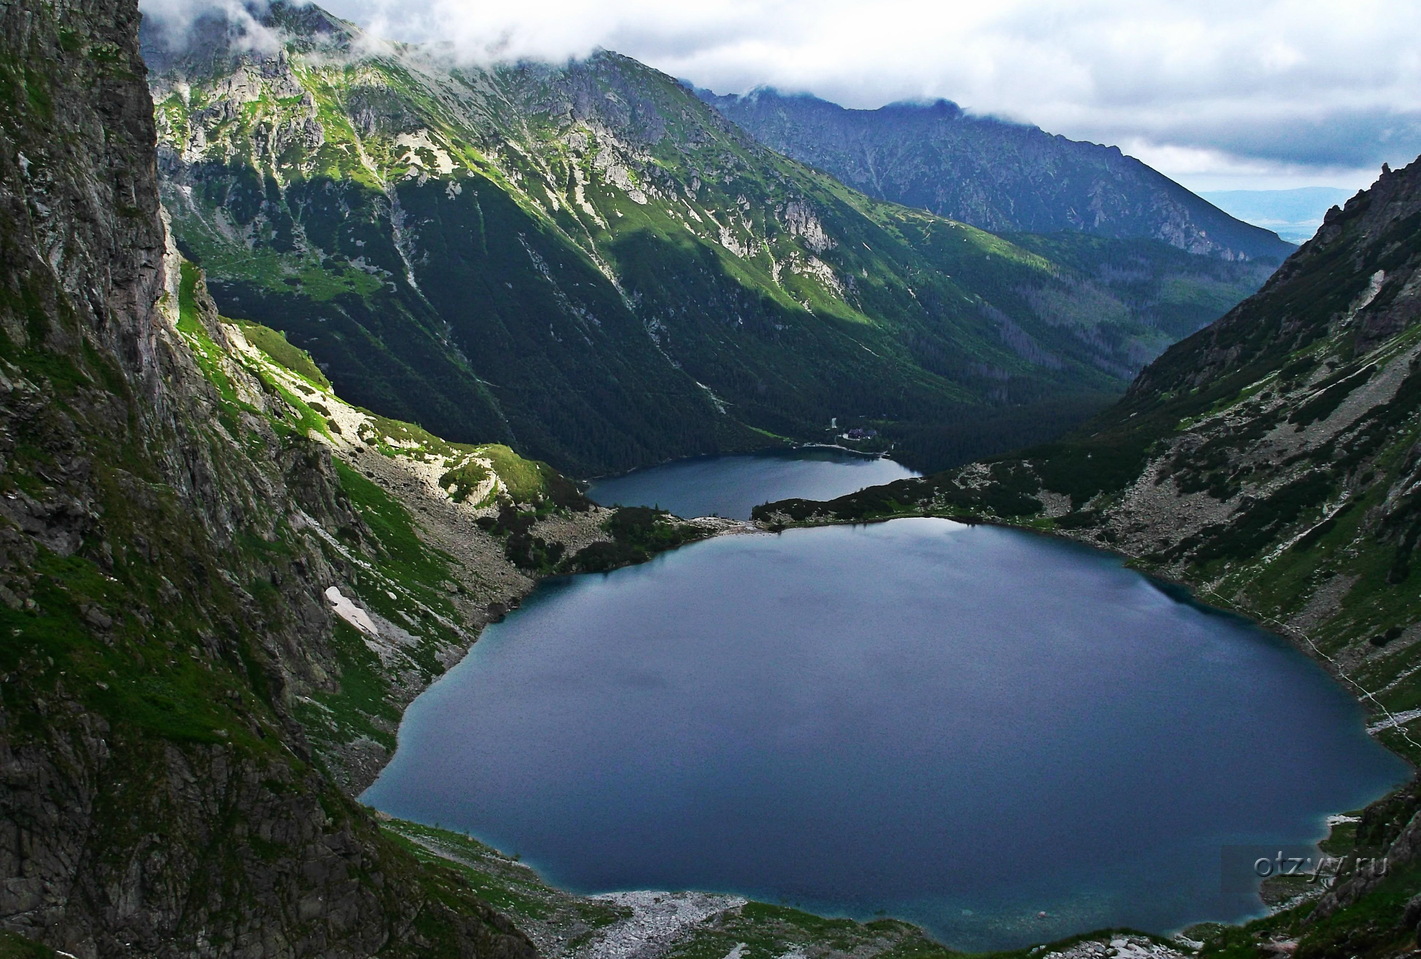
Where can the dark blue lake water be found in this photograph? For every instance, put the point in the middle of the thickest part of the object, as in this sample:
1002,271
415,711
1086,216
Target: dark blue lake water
734,485
960,726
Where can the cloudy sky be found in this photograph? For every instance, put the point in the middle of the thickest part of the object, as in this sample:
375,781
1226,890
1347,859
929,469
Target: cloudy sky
1218,94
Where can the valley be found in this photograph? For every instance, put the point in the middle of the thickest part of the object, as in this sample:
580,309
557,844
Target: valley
591,264
306,339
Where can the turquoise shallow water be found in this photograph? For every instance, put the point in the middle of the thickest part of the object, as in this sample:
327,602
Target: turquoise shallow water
960,726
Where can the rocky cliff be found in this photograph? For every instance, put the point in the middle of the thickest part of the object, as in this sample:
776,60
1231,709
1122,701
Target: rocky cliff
217,585
1000,176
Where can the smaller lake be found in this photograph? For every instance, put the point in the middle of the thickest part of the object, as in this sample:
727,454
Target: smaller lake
732,486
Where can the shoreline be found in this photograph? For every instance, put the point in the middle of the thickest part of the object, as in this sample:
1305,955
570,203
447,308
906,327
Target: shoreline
628,943
790,446
654,923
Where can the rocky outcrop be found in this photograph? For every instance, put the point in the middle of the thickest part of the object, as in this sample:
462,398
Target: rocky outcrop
165,539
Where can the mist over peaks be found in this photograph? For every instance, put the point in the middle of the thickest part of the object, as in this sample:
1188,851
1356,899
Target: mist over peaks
178,26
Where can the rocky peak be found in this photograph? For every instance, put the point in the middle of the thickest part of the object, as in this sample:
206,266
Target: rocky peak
219,38
992,173
1357,282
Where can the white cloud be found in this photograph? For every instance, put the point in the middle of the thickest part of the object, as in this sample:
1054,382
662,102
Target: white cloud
1202,169
179,18
1288,84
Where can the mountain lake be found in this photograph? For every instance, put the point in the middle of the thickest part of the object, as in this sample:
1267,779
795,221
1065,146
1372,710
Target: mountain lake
731,486
1003,737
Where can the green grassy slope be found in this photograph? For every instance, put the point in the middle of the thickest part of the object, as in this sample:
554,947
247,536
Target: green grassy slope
160,583
587,262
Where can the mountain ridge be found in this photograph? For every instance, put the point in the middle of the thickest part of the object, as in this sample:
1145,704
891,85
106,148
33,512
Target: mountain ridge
992,173
586,261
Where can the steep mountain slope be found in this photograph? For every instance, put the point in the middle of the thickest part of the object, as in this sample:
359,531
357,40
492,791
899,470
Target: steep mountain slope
1272,462
589,263
213,603
1000,176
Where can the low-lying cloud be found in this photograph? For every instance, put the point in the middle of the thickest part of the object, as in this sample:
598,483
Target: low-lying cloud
1296,85
177,22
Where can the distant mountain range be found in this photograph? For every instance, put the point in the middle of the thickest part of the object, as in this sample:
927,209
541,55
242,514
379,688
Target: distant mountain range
590,264
1294,214
999,176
